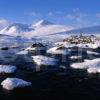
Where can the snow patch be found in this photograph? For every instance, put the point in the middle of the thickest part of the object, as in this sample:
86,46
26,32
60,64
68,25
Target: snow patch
93,70
12,83
44,60
24,52
92,66
34,48
80,65
41,23
75,57
92,52
58,50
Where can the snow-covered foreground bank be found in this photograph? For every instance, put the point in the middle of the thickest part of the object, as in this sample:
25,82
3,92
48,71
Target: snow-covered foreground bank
12,83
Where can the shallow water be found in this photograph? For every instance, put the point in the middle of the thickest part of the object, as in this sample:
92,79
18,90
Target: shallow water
50,83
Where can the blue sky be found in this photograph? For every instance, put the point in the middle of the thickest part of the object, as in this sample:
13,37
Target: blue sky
69,12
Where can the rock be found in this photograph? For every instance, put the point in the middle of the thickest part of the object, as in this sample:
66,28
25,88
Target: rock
58,50
36,46
4,48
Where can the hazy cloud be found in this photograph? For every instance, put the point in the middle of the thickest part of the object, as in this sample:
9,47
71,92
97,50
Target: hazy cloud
51,14
56,14
98,15
76,15
3,23
33,13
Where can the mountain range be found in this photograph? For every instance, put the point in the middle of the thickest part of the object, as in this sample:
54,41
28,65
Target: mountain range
43,30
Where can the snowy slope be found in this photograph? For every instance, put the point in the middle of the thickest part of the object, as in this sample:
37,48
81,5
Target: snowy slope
41,23
86,30
16,28
59,36
41,28
47,30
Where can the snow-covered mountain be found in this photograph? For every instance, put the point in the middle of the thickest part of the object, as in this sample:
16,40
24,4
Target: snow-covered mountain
47,30
44,30
16,28
41,28
18,33
54,33
41,23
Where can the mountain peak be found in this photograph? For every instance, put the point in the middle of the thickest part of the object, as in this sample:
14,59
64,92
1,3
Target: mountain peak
16,28
18,25
42,23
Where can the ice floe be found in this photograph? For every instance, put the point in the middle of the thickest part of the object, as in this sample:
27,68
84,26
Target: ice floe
44,60
7,69
12,83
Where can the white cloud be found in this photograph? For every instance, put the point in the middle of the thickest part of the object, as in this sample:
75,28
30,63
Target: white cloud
3,23
74,15
78,16
51,14
55,14
33,13
98,15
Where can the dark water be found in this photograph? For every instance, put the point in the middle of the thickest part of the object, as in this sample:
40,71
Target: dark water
54,83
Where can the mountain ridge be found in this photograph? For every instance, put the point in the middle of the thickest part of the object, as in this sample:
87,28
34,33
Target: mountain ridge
46,28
